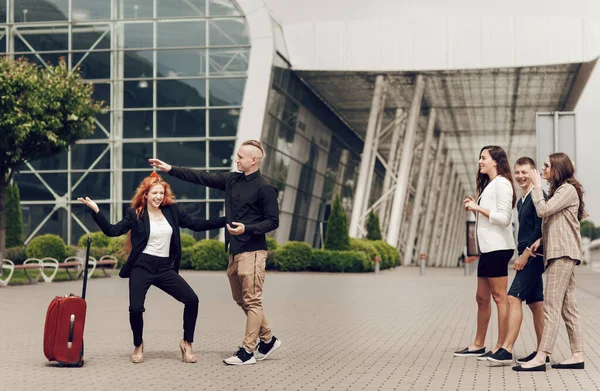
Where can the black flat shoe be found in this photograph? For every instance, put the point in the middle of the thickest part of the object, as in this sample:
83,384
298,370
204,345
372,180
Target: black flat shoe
539,368
577,365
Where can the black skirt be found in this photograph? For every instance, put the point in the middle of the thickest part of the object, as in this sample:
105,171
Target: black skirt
494,263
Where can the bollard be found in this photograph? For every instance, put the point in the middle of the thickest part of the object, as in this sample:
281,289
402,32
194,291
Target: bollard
377,260
422,263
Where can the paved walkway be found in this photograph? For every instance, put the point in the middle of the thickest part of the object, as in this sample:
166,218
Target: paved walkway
393,331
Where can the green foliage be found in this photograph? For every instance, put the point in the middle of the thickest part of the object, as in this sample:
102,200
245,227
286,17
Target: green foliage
589,230
115,248
16,254
272,244
337,237
208,255
340,261
48,245
373,228
97,252
187,240
186,258
366,247
293,256
98,239
14,218
390,257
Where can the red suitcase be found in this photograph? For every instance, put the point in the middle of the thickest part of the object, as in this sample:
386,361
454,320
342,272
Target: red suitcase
65,321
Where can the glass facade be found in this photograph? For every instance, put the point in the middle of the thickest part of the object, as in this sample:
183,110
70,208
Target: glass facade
172,73
311,156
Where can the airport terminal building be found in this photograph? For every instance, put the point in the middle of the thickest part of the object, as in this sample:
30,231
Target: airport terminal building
389,112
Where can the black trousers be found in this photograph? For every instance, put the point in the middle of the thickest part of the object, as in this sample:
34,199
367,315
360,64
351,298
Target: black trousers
151,270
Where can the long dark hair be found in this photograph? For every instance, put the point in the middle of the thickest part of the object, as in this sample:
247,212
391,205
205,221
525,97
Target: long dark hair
502,166
562,171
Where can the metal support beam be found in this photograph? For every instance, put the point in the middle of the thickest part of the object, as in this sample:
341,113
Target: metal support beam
442,251
361,191
387,181
434,177
450,258
418,199
397,211
444,180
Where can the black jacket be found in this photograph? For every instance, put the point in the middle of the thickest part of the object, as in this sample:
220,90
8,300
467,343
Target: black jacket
530,225
140,231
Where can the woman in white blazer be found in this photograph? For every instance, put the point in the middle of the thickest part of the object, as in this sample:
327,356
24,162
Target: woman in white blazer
493,211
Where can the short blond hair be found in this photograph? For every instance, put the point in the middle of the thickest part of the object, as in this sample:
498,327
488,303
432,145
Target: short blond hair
255,144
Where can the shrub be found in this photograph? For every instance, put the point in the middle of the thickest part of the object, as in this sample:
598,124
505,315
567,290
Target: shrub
115,248
98,239
47,246
272,244
186,258
340,261
293,256
72,250
97,252
373,228
366,247
337,237
209,255
390,257
187,240
14,218
16,254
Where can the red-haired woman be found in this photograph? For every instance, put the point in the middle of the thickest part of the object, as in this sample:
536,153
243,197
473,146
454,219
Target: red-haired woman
153,243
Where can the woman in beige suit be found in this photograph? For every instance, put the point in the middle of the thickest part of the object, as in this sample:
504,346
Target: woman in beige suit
561,240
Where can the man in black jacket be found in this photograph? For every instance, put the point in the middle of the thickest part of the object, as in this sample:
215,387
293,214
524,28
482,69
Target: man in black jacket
527,285
251,210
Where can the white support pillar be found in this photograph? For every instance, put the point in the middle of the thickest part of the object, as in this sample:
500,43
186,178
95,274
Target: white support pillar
442,251
116,135
443,184
459,226
418,199
450,258
361,191
387,181
433,186
397,212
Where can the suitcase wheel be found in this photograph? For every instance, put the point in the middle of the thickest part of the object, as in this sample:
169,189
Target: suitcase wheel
80,364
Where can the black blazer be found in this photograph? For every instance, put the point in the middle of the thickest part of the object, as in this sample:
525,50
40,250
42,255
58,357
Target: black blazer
530,225
140,231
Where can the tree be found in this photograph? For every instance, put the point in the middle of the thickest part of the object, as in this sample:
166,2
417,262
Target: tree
373,228
589,230
337,236
14,218
43,111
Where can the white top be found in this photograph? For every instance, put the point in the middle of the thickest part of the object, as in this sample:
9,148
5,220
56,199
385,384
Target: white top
159,242
495,232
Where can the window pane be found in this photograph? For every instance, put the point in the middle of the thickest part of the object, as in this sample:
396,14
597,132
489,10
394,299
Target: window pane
172,63
104,120
226,92
137,124
31,188
184,153
215,210
228,61
138,35
131,180
181,93
95,65
85,40
136,155
223,122
56,223
40,42
181,123
171,34
40,11
133,9
84,155
222,8
56,162
3,12
221,153
95,185
137,64
90,9
52,58
137,93
174,8
194,209
228,32
186,190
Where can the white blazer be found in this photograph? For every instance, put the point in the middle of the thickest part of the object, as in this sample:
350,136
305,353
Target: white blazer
495,233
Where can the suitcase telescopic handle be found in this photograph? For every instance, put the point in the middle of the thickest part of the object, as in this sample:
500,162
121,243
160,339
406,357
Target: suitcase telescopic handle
71,327
85,268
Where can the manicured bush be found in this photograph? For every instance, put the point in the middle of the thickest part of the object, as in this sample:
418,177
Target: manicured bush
390,257
209,255
272,244
293,256
47,246
337,236
115,248
365,246
98,239
186,258
340,261
373,228
16,254
187,240
14,218
97,252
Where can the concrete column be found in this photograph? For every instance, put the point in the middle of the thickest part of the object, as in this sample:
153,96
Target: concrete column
117,44
443,183
450,258
387,181
397,212
418,200
458,243
441,250
361,191
434,177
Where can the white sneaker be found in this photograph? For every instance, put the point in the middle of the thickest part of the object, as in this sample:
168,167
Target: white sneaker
263,349
241,357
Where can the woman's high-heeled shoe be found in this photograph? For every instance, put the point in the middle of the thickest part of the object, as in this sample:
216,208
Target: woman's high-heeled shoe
138,358
185,356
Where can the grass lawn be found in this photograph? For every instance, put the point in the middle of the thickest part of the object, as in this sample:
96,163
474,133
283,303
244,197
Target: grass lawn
19,277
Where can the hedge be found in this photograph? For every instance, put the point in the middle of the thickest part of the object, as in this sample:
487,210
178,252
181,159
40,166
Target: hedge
208,255
293,256
390,257
187,240
340,261
47,246
366,247
16,254
98,239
